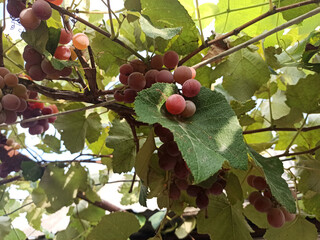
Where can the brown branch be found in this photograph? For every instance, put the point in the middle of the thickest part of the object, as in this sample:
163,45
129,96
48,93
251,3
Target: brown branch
9,180
306,129
312,150
1,47
99,30
101,204
247,24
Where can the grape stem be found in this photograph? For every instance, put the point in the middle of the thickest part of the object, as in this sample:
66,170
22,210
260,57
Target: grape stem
258,38
240,28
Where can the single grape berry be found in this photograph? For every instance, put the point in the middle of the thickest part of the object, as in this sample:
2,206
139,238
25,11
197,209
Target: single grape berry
259,183
175,104
150,77
262,204
171,59
193,190
42,9
129,95
182,74
288,216
191,88
189,110
254,196
62,53
202,200
136,81
126,69
65,36
28,19
156,62
216,188
182,184
80,41
250,179
138,66
174,192
164,76
276,217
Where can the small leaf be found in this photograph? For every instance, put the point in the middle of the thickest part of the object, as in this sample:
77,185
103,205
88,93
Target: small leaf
117,226
37,38
224,221
121,140
153,32
31,171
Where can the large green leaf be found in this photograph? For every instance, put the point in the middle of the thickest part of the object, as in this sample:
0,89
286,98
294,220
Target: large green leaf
244,72
273,170
121,140
311,203
15,234
300,228
116,226
305,94
31,171
170,13
62,187
37,38
206,140
76,127
5,224
309,174
221,220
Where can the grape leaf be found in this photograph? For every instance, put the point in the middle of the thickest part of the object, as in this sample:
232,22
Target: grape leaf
300,228
5,224
206,140
258,218
305,94
223,221
15,234
37,38
153,32
118,225
293,13
75,127
309,174
311,203
121,140
144,156
53,41
244,72
60,187
31,170
273,169
172,15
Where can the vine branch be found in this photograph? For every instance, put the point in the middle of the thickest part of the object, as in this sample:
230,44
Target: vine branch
240,28
258,38
312,150
286,129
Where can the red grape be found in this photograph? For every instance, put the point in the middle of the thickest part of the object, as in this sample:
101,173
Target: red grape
11,80
56,2
123,79
36,73
202,200
189,110
259,183
164,76
175,104
65,36
156,62
262,204
181,170
66,71
62,53
174,192
129,95
250,179
37,129
172,148
118,96
166,162
191,88
275,217
182,74
193,190
23,105
182,184
11,116
46,110
150,77
126,69
170,59
31,56
193,71
216,188
15,7
3,71
42,10
164,134
254,196
288,216
28,19
136,81
19,90
10,102
80,41
54,108
138,66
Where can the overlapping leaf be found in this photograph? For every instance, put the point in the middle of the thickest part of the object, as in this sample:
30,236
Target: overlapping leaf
206,140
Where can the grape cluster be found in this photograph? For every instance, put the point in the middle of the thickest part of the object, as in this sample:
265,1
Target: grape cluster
36,109
13,96
264,202
136,75
9,161
170,159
